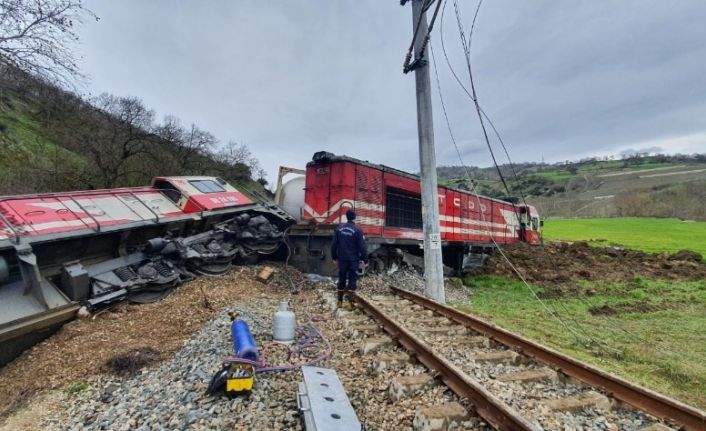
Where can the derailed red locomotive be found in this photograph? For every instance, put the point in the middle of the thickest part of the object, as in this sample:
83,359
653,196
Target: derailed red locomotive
60,251
389,208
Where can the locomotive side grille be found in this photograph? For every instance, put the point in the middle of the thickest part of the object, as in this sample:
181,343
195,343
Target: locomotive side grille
403,209
369,198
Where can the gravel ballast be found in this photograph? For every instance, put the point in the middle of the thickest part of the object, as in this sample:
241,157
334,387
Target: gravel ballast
168,390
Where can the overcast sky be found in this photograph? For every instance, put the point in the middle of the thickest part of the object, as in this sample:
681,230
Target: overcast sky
560,79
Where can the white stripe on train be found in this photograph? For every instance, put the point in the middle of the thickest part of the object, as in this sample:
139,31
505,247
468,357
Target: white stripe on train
509,216
504,231
343,203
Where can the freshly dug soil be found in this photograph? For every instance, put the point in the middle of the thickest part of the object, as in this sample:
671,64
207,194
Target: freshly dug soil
557,267
687,255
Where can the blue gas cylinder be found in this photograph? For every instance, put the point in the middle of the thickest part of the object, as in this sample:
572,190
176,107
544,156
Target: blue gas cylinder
243,342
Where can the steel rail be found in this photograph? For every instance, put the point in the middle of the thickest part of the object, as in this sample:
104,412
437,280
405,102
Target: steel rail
492,409
637,396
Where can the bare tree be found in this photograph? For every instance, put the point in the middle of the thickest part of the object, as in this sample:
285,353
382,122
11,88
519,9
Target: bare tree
129,134
190,148
237,161
234,152
632,203
115,135
37,36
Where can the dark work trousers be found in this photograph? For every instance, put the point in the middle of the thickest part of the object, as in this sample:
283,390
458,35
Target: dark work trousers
347,271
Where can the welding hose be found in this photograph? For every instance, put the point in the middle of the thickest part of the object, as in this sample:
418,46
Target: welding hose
306,345
261,366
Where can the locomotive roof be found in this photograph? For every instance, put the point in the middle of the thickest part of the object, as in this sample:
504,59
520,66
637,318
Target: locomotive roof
325,157
189,177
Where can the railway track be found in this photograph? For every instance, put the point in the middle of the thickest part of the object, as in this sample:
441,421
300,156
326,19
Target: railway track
514,383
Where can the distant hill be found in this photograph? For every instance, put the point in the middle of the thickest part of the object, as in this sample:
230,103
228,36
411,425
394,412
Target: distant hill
641,185
53,140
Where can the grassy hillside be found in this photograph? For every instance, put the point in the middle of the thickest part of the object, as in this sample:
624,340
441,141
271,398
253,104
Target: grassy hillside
647,234
643,186
29,160
52,140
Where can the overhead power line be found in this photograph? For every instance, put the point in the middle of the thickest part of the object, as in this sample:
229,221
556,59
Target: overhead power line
553,311
475,100
466,46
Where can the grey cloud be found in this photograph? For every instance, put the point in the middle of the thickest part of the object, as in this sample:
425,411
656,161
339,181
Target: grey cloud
560,79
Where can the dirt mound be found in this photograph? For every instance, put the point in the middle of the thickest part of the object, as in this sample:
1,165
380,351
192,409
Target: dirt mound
558,267
687,255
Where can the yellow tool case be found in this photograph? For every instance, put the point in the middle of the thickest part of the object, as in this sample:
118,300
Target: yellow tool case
241,378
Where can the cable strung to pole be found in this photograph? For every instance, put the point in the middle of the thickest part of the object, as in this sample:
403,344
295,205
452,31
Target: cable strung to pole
408,57
408,65
474,96
470,96
552,311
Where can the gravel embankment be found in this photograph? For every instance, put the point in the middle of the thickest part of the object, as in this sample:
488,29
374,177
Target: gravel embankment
84,347
168,392
173,395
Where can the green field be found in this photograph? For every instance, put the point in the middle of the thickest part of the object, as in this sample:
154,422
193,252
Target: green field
652,235
555,175
650,165
649,332
596,168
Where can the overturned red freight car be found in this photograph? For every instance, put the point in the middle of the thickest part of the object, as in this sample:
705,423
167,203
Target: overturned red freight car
389,207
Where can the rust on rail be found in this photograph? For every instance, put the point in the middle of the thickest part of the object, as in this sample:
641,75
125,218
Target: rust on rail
492,409
637,396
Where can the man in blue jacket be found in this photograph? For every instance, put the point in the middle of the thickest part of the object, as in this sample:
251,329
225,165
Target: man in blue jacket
348,249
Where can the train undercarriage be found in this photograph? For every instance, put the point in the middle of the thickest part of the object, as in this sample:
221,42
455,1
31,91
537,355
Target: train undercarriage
310,245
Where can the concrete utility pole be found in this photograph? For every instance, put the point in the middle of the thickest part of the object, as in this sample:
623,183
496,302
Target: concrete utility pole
433,265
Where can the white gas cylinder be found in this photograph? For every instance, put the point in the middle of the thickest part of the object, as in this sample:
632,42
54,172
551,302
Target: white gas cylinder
284,324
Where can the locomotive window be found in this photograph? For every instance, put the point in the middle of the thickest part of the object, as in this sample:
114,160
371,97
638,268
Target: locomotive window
168,190
207,186
403,209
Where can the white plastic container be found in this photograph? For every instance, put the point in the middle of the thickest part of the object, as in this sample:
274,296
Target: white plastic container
284,324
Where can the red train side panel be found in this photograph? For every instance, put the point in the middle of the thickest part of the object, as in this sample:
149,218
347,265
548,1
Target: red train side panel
388,205
52,213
